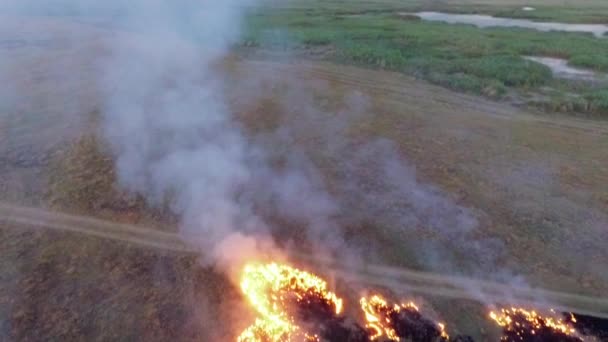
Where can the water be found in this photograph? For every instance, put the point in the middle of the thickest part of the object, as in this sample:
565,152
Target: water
561,69
483,21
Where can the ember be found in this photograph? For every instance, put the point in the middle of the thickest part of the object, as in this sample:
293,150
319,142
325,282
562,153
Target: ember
588,325
399,321
523,325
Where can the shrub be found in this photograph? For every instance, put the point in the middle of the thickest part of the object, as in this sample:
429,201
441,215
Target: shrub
510,70
592,61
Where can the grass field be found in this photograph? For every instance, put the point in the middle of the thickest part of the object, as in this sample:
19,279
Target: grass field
460,57
537,184
533,179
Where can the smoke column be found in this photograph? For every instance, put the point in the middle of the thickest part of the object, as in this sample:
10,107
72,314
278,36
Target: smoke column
166,116
177,142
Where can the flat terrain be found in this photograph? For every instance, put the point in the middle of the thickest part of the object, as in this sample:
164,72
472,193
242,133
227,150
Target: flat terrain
537,185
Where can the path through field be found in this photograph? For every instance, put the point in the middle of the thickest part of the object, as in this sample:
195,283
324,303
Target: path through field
399,280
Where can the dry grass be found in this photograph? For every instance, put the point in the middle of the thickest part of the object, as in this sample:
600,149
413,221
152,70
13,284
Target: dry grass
58,286
83,176
534,181
82,179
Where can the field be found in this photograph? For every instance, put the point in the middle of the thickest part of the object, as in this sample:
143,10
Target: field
477,129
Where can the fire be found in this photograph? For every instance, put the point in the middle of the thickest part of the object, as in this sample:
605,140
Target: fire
295,305
521,324
383,319
273,290
377,314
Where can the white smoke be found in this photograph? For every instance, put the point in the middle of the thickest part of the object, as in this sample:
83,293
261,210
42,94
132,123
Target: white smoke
166,117
176,141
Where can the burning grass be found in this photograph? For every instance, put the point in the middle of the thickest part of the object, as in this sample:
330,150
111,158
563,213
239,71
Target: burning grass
527,325
399,321
295,305
274,291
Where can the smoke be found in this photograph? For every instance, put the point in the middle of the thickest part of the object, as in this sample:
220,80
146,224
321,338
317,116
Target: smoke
165,105
375,191
167,120
176,141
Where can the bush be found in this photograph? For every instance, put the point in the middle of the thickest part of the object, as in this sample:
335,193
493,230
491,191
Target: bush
317,37
598,101
378,55
462,82
592,61
510,70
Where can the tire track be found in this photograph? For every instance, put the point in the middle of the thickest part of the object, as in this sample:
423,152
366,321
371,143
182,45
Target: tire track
397,279
38,218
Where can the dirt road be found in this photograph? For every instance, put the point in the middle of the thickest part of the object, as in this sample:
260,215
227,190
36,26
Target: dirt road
399,280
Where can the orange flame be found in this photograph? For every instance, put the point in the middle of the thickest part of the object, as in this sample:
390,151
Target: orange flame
506,320
270,288
378,317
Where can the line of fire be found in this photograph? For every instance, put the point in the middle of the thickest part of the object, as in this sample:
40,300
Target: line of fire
293,304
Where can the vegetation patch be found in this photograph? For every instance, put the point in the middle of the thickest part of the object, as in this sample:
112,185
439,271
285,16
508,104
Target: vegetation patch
462,57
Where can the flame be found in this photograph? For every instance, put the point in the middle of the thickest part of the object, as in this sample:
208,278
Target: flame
271,289
378,315
511,320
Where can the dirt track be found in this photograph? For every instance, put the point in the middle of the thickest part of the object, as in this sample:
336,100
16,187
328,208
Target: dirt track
400,280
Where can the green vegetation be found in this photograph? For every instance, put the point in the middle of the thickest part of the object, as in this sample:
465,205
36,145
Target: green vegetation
598,100
568,11
592,61
461,57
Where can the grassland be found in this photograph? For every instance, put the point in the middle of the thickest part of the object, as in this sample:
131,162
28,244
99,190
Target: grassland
538,183
461,57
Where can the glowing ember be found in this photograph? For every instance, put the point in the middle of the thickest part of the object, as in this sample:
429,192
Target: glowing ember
523,325
399,321
278,292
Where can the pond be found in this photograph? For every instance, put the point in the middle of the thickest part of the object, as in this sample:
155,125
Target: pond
483,21
561,69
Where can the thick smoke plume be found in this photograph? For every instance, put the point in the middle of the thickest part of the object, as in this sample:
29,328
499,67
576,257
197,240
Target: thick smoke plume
166,115
177,142
165,112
